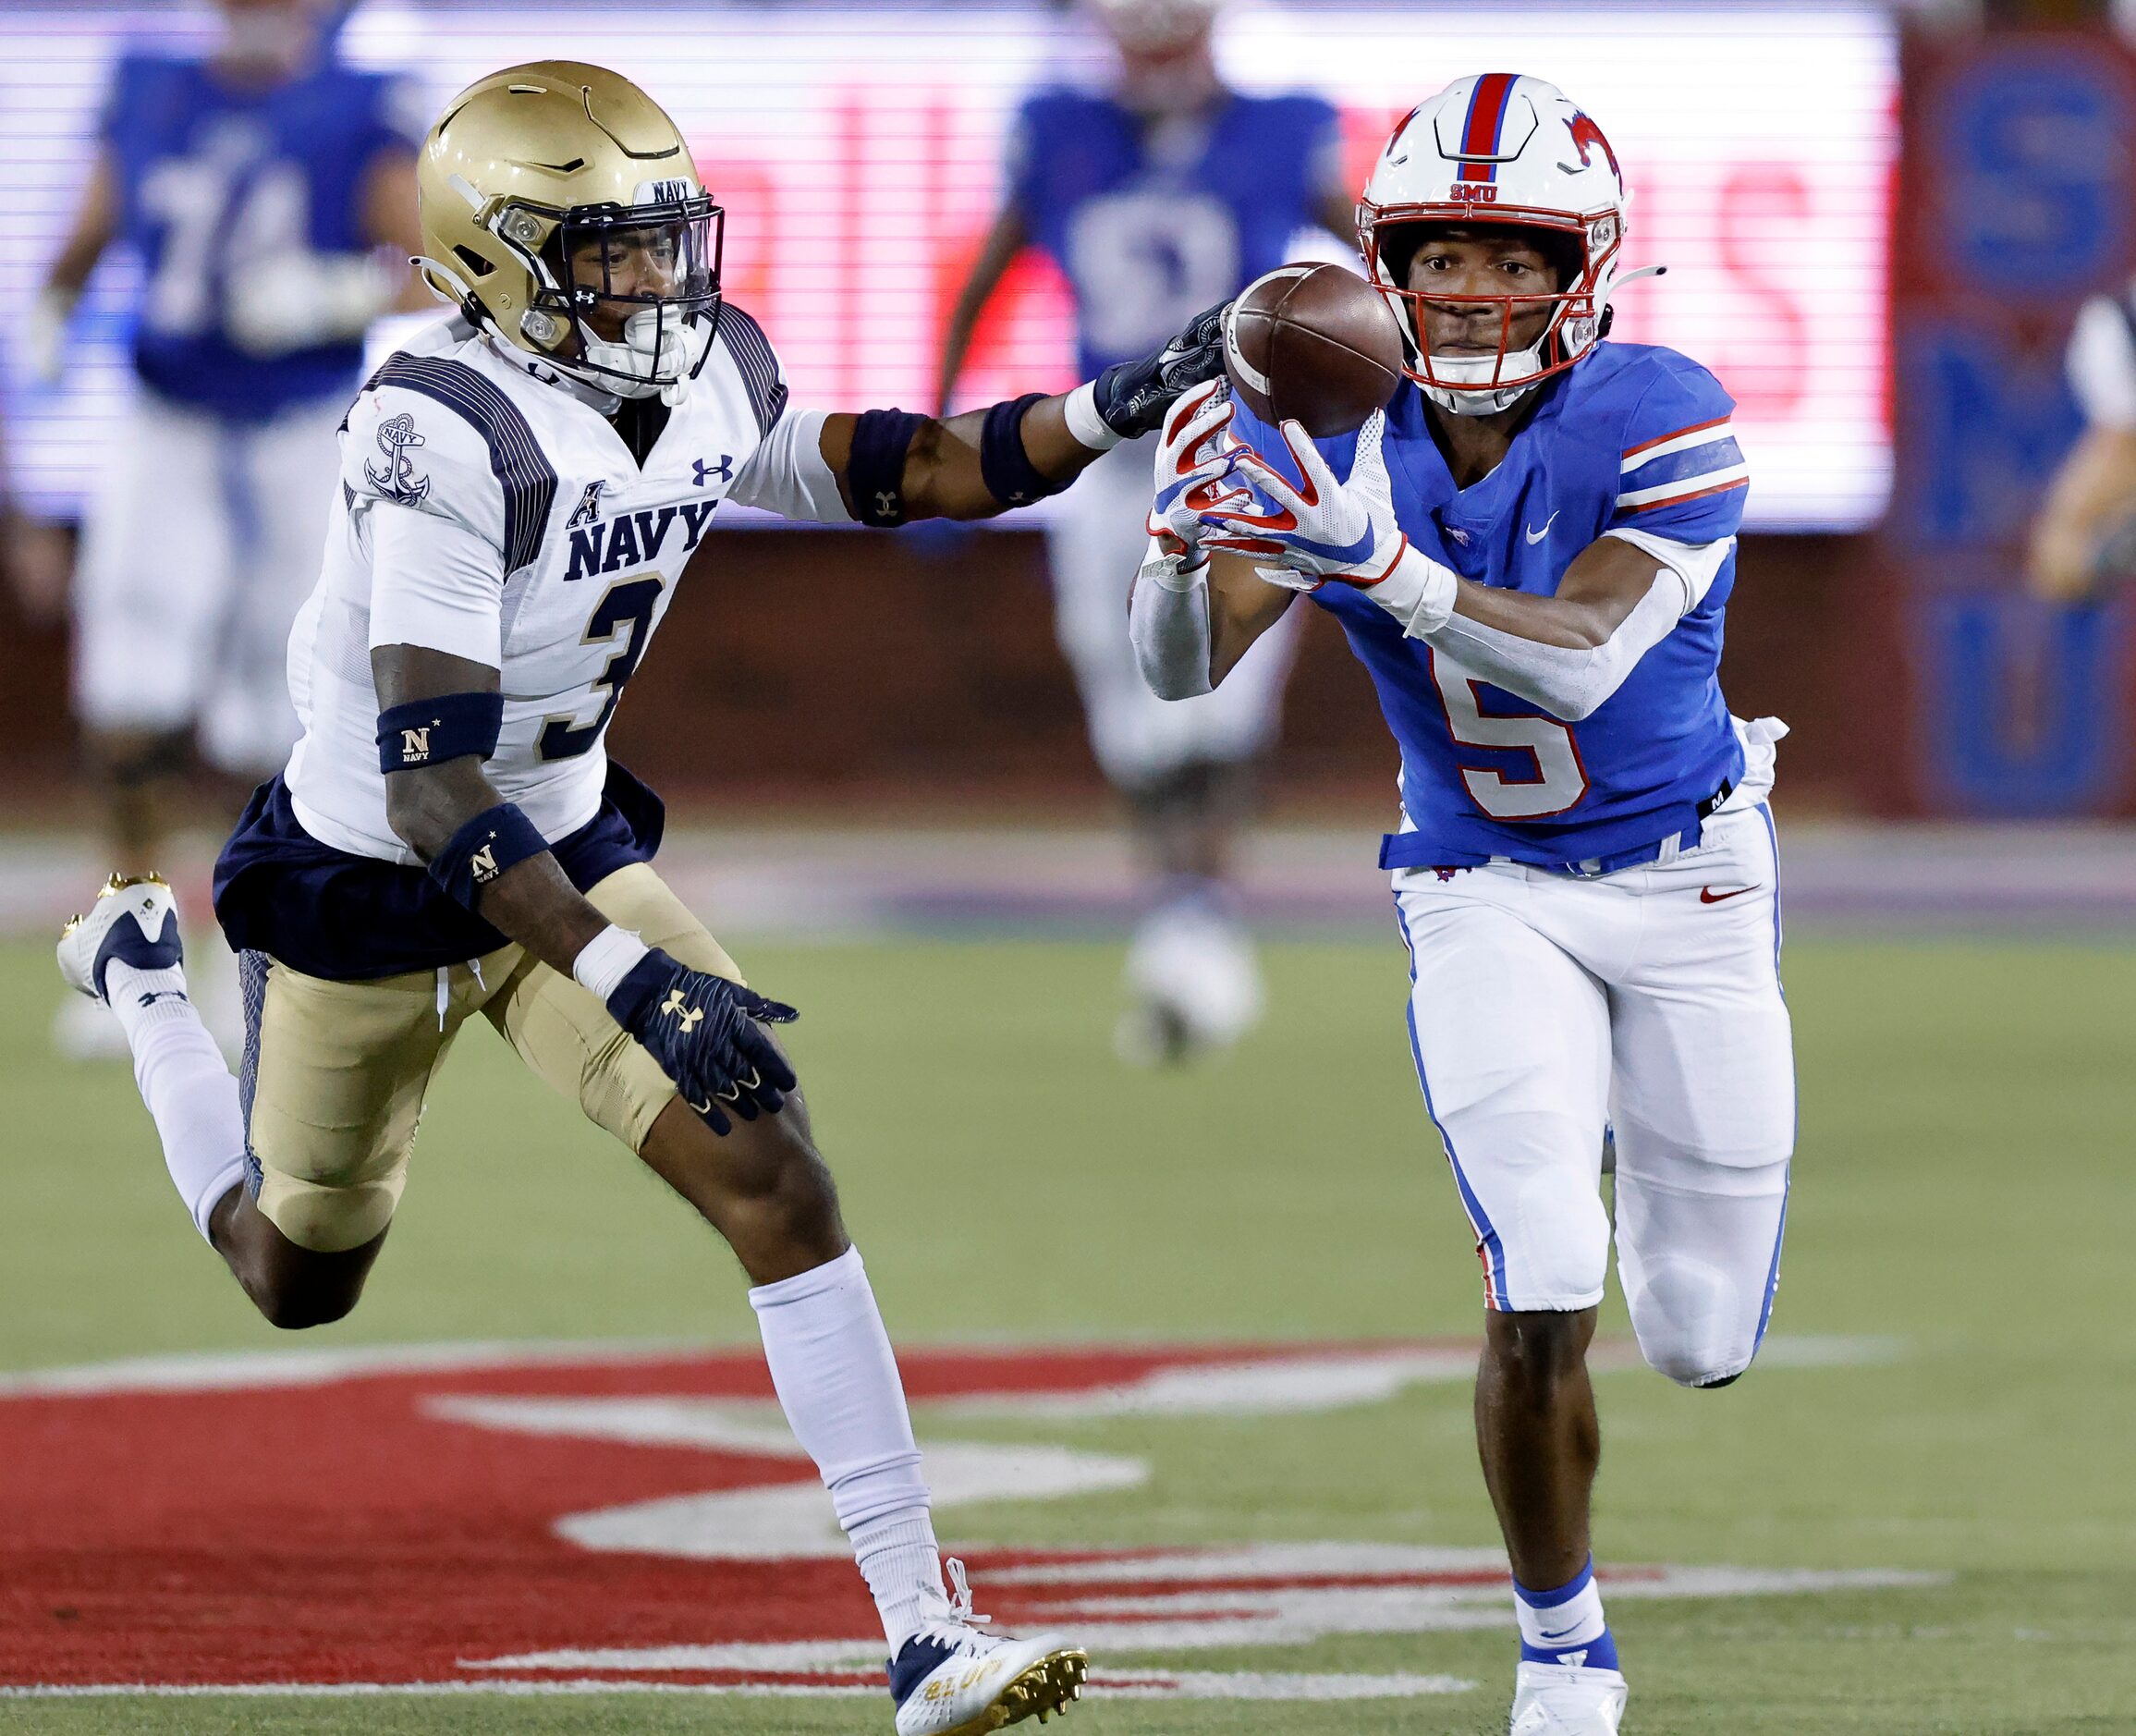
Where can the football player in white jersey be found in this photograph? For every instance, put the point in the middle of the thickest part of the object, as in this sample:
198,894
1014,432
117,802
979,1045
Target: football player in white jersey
521,492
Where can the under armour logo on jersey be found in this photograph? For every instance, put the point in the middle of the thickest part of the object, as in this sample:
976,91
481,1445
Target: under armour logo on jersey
886,503
589,506
673,1006
723,470
396,480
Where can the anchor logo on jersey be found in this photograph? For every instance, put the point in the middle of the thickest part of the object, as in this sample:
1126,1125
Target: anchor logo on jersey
396,480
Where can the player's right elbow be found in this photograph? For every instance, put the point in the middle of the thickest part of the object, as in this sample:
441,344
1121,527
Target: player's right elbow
417,812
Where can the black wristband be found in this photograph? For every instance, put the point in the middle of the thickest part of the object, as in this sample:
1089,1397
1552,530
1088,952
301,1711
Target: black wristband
1011,476
875,471
430,731
496,840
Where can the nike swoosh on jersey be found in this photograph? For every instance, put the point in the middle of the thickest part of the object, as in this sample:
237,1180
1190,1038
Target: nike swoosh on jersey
1536,536
1708,895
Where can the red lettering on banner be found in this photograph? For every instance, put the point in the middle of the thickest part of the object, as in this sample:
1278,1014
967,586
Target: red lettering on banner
1764,209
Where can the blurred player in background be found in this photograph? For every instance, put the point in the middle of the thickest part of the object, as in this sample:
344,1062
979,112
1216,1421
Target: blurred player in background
2085,535
1171,192
1531,551
268,191
524,488
33,554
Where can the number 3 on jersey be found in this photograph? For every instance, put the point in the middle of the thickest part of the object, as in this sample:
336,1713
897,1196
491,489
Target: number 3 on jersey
1560,780
625,611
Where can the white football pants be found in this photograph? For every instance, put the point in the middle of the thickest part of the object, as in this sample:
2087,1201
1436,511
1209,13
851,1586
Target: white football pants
1547,1008
1097,542
202,544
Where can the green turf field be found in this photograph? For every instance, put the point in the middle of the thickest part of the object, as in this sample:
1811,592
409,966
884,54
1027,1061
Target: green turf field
1963,1189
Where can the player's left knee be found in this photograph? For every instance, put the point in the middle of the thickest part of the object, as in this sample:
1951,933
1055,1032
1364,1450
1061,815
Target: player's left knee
1692,1323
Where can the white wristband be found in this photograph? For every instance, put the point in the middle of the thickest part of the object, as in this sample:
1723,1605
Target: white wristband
1080,413
1417,591
607,959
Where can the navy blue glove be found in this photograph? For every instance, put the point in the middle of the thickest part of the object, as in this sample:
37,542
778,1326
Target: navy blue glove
1132,396
705,1034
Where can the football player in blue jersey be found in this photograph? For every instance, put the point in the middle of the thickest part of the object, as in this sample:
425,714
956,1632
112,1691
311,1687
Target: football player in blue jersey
1531,551
1169,193
203,540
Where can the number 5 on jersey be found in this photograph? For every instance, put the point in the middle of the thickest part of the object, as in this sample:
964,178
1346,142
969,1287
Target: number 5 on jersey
1560,779
626,611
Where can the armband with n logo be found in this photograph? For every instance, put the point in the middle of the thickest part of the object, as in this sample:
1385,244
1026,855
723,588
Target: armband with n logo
430,731
484,847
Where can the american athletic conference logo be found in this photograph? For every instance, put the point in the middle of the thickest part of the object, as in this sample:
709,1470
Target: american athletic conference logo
396,480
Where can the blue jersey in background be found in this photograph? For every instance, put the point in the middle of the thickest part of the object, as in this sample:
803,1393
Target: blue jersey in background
1152,221
1632,437
214,175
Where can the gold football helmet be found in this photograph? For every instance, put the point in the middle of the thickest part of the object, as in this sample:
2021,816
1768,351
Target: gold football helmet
561,213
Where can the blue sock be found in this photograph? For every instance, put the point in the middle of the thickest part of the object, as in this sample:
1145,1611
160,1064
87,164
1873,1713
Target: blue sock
1565,1626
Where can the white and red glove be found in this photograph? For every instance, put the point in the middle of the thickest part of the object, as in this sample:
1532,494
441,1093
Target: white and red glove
1193,462
1302,537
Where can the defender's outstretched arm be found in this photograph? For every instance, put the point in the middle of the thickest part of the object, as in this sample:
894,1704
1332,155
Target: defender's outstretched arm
893,465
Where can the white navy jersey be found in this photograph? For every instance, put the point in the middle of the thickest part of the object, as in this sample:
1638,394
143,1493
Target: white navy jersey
489,509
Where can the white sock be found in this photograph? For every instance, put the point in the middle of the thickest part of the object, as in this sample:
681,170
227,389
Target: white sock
1566,1626
838,1380
184,1083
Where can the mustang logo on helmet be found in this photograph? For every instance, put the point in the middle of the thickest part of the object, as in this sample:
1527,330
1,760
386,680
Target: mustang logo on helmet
562,216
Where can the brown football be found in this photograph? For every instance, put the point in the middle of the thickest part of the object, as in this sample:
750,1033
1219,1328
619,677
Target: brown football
1316,344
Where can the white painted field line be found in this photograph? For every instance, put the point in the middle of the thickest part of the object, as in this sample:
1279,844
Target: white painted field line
1156,1684
1188,1387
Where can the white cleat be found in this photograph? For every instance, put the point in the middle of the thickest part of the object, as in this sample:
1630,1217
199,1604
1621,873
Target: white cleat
1564,1700
1196,981
134,921
952,1680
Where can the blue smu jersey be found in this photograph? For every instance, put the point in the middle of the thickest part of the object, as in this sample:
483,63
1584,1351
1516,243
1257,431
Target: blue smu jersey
213,175
1631,437
1147,244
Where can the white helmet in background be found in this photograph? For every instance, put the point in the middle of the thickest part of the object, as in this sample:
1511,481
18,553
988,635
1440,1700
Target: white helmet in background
1154,26
1498,148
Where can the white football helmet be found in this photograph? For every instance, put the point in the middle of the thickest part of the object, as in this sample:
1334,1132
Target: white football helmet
1498,148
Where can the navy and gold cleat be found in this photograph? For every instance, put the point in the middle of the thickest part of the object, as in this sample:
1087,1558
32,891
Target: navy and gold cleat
952,1680
134,920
